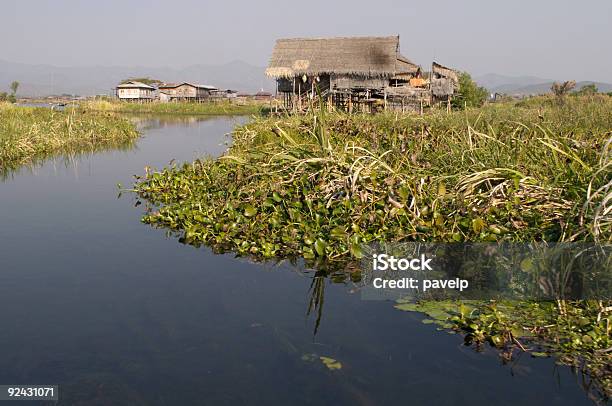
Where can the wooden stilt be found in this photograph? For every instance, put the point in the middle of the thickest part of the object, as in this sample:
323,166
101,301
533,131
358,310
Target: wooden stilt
293,104
385,99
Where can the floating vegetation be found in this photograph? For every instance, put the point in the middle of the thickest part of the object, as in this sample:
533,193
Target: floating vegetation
28,134
578,333
331,363
320,186
309,357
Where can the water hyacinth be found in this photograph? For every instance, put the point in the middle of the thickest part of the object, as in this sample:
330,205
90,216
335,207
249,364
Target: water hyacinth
323,184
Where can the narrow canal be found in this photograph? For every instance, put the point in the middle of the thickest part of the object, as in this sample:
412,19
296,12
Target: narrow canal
118,313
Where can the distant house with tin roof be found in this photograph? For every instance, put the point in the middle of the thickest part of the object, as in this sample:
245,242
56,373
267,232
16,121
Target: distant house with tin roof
133,90
185,92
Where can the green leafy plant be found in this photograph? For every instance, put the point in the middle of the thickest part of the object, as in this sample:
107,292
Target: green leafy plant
469,93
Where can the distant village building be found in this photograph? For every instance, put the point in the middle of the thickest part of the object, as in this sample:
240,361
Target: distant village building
136,91
261,95
166,92
220,95
350,73
185,92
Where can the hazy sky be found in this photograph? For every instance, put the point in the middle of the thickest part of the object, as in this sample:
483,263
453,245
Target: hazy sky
555,39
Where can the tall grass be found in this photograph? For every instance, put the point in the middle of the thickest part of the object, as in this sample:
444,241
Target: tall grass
28,134
216,108
511,172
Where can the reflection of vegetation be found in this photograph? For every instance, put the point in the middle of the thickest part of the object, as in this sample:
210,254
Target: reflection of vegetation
534,286
506,270
577,332
69,158
28,134
145,121
317,298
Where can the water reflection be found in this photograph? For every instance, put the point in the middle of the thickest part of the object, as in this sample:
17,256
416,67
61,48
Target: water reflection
68,159
146,122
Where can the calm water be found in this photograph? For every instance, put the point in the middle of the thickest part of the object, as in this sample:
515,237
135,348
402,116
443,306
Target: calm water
117,313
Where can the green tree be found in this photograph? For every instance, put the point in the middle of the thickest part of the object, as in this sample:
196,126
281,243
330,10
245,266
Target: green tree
14,87
587,90
469,94
3,96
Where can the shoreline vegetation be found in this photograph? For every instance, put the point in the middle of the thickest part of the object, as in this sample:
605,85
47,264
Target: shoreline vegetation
193,109
530,171
28,134
320,186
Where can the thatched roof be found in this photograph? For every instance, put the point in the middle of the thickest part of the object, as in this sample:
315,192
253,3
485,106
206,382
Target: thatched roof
360,56
445,72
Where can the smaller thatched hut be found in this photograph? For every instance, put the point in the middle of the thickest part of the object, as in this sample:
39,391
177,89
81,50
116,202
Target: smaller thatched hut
444,81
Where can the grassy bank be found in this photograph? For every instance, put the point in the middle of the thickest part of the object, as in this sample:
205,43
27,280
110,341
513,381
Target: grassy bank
220,108
321,186
318,186
28,134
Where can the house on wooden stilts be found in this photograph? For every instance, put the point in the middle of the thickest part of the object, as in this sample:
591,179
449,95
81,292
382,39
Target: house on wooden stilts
444,83
185,92
354,74
135,91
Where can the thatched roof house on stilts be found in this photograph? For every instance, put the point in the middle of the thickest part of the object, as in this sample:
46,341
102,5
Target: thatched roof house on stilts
363,73
444,83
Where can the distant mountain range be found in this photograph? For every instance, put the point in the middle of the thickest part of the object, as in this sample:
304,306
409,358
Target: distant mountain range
43,80
527,85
